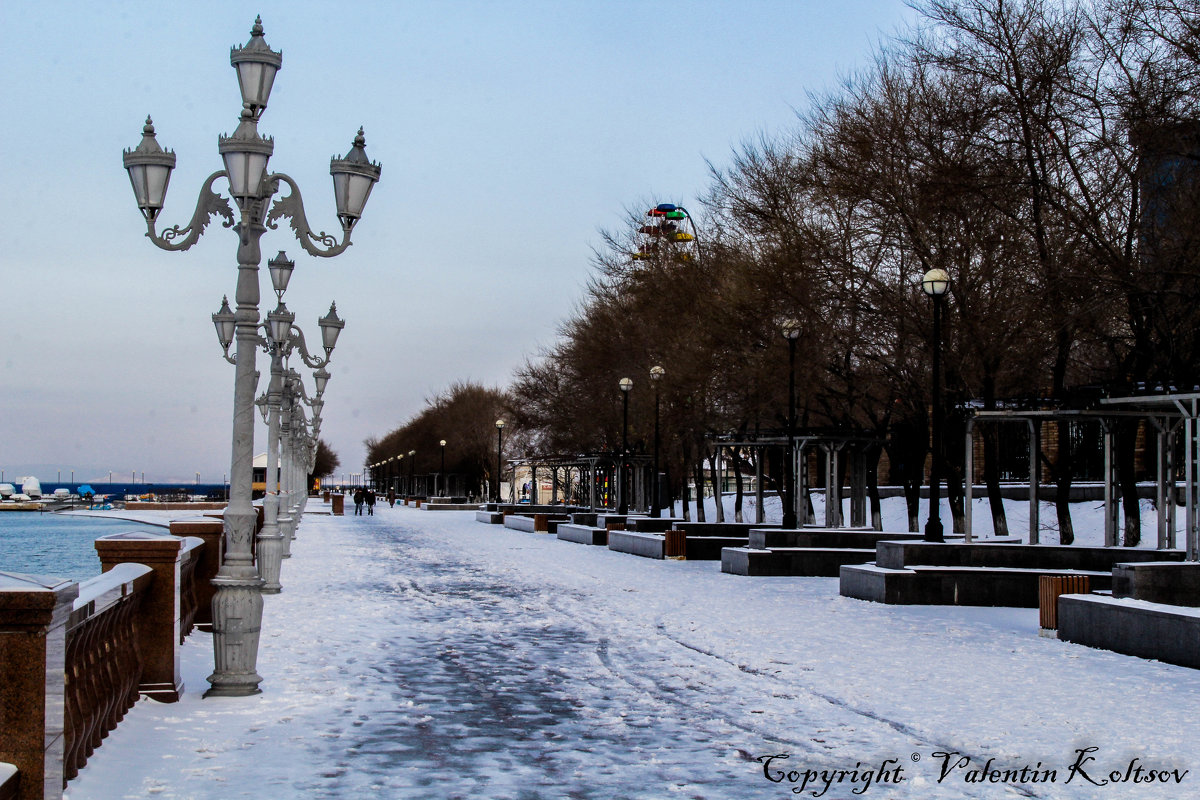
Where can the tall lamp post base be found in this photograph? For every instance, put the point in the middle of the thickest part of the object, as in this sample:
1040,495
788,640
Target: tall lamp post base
237,624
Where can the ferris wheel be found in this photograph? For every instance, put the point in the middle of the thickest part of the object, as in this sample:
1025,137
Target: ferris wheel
668,233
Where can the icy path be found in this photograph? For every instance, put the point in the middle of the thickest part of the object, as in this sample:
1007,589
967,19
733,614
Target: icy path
420,654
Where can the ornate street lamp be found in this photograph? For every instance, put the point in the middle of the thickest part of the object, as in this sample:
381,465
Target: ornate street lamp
656,374
282,504
935,284
499,454
625,385
790,328
411,461
237,605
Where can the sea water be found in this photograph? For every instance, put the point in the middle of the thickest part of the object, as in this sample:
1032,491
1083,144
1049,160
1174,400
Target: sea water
39,543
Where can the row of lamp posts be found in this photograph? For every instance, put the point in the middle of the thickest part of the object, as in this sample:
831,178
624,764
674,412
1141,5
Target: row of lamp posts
390,466
237,604
935,283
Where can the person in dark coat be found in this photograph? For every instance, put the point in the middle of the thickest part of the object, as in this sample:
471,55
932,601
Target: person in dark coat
369,497
358,501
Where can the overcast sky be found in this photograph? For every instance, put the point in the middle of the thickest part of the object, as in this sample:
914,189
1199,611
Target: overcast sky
510,133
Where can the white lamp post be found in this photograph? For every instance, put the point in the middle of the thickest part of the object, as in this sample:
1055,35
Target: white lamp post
237,605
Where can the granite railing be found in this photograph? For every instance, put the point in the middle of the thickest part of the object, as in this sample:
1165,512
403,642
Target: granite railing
74,657
103,662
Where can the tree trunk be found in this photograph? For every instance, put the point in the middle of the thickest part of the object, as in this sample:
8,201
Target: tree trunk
700,516
872,462
713,461
735,457
991,476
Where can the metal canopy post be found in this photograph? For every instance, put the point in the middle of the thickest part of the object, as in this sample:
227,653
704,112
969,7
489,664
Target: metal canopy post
969,473
758,486
1192,474
1035,451
1110,478
800,470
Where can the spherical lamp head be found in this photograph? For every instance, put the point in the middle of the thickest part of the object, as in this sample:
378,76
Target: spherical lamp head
936,282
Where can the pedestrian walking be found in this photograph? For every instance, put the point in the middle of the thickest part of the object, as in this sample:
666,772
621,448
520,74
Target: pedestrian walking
391,497
358,501
370,498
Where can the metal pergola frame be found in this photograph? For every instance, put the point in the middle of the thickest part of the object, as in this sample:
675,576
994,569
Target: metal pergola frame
1164,412
587,464
832,443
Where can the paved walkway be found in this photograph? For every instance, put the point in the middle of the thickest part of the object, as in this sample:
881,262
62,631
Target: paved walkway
418,654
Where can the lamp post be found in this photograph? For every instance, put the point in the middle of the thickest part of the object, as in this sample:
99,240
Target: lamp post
237,604
499,456
625,385
411,460
935,284
283,338
656,374
790,328
442,471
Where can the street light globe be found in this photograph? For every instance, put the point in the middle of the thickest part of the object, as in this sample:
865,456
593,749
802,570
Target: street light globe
656,373
790,328
626,384
936,282
442,443
499,423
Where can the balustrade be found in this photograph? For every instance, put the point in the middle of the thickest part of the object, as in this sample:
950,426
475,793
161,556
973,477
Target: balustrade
77,656
103,662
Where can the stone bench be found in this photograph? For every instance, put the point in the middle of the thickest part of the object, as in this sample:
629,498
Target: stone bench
583,534
490,517
1168,582
802,561
1013,587
450,506
519,523
737,529
1012,555
646,545
652,524
766,538
1158,631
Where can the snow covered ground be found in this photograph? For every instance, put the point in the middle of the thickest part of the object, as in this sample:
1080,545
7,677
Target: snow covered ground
418,654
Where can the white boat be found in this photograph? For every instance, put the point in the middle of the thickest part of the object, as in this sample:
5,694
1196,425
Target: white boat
61,494
31,486
7,490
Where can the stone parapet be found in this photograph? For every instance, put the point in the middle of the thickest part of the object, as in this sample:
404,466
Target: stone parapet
160,618
34,612
211,531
